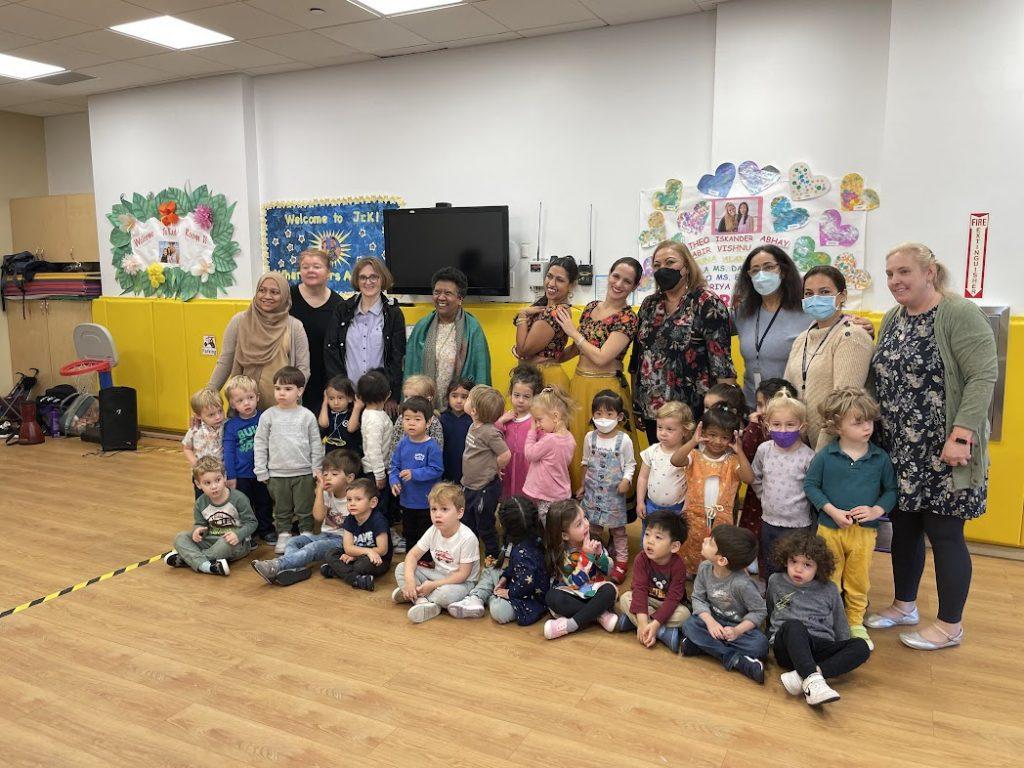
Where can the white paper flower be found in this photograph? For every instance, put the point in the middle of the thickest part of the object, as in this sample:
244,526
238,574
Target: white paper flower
287,233
302,238
276,241
373,246
280,263
290,248
133,264
202,268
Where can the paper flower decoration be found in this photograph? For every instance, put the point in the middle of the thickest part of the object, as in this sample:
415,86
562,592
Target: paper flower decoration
133,264
203,216
156,274
126,221
168,216
202,269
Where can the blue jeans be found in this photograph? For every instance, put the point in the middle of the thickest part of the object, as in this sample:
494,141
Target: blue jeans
651,507
752,643
302,550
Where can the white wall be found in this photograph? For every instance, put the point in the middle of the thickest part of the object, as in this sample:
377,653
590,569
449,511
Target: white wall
68,154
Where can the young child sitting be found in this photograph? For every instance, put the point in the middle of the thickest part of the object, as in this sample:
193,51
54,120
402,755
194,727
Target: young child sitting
288,452
239,456
455,424
367,540
456,554
808,629
207,438
580,592
727,607
853,483
517,593
336,422
330,508
515,425
661,486
549,449
654,607
223,523
485,457
416,465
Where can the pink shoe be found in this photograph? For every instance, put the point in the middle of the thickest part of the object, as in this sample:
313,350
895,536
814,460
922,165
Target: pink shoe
556,628
608,621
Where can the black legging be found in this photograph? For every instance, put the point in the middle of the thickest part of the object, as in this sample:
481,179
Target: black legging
795,648
580,609
952,559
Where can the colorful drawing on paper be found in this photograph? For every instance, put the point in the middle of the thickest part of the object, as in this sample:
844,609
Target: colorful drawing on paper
832,231
854,196
720,182
805,185
785,217
655,232
856,277
693,221
668,199
806,255
756,179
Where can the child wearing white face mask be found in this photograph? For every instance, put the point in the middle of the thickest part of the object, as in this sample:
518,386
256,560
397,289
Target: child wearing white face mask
609,466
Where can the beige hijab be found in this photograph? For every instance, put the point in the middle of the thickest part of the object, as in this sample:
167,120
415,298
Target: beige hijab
264,340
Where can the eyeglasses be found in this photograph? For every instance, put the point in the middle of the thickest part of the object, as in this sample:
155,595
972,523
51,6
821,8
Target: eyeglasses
369,278
755,271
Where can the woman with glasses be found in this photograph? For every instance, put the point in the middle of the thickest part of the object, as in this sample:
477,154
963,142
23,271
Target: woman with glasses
368,330
313,304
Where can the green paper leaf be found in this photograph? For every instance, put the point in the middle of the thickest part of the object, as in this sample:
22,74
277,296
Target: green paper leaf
119,238
207,290
199,193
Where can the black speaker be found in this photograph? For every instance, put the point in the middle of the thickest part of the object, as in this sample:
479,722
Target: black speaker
119,419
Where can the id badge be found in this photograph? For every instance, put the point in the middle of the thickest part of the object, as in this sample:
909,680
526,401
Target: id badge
757,379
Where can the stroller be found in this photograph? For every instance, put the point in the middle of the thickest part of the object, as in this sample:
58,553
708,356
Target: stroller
10,405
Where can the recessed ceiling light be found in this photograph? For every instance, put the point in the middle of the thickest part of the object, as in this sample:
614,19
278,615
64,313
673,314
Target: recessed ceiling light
172,33
392,7
25,69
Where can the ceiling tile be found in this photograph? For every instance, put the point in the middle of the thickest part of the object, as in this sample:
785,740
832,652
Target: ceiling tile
9,41
559,28
305,46
111,45
425,48
617,12
60,54
174,7
241,55
95,13
241,21
374,36
45,108
445,24
276,69
528,14
484,40
297,11
118,74
23,92
182,63
42,26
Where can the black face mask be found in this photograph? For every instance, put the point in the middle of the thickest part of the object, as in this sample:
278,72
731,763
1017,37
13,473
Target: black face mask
667,278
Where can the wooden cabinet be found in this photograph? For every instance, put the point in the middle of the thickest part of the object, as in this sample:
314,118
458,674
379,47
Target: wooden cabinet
59,228
41,337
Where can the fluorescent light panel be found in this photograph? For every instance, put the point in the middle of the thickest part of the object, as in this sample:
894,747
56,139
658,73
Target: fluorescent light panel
172,33
392,7
25,69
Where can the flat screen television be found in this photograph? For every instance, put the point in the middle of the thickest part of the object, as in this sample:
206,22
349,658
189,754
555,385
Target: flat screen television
419,241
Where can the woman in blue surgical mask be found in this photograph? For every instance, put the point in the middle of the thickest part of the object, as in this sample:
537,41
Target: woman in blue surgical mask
833,352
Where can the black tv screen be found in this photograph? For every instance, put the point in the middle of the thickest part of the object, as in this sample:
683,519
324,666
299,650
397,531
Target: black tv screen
419,241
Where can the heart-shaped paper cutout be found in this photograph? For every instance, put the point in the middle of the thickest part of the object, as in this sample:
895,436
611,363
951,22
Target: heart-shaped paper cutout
656,232
693,221
718,184
785,217
804,185
854,196
805,256
832,231
856,278
755,179
668,199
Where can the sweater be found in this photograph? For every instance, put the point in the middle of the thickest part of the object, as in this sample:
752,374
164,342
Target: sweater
833,478
376,428
287,443
526,579
239,446
816,605
549,455
298,351
425,462
660,582
731,600
779,483
454,427
477,365
234,514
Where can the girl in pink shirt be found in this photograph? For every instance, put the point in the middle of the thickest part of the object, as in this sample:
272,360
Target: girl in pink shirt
516,424
549,449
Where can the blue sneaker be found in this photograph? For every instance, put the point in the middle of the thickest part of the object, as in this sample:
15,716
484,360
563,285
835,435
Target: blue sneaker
688,648
670,636
624,624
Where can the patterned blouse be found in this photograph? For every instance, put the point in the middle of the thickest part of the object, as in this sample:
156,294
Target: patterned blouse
598,331
682,355
553,349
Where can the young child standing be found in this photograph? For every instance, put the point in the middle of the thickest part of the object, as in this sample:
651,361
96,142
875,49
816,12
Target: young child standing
223,523
609,465
853,484
367,540
779,468
715,467
727,607
485,456
330,508
416,465
455,424
456,554
372,393
729,394
808,629
288,452
239,456
515,425
661,485
580,593
549,449
338,427
655,607
418,386
207,438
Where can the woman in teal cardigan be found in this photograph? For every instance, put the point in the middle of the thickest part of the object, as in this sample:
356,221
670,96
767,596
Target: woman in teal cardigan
448,343
934,369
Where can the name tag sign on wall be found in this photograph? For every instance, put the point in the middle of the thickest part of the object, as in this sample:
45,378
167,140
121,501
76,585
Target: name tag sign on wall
977,249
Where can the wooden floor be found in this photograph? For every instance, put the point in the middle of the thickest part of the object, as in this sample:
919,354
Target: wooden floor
162,667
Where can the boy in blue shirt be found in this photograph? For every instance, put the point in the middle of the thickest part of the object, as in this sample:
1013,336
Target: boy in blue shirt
239,431
416,465
367,536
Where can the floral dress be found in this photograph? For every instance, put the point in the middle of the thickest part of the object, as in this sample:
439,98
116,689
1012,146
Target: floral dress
910,383
554,349
597,331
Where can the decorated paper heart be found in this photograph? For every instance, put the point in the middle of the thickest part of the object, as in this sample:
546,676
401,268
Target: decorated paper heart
855,277
854,196
668,199
804,185
718,184
785,217
656,230
755,179
693,221
805,256
832,231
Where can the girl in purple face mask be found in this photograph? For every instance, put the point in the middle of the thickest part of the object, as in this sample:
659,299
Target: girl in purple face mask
779,468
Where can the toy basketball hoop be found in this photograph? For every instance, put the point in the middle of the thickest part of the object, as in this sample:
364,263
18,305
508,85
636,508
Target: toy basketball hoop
95,346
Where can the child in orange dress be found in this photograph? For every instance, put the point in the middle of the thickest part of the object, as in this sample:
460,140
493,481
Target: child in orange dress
715,466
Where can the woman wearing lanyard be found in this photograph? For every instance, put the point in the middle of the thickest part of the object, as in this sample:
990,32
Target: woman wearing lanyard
834,352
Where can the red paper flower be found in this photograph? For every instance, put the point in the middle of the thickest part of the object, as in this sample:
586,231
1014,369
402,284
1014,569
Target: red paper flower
167,213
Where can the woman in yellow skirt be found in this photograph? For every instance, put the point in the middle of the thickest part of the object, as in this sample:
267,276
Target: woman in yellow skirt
540,338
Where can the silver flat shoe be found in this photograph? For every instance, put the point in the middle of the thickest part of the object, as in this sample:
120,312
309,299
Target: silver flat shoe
906,619
918,643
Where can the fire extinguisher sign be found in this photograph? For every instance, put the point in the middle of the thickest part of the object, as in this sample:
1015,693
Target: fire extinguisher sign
977,246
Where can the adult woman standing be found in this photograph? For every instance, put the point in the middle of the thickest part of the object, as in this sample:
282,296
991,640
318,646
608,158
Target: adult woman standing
368,329
262,339
313,303
834,352
540,338
934,370
682,345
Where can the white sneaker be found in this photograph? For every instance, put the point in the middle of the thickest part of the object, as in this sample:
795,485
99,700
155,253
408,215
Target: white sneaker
792,683
307,533
398,544
608,620
397,596
424,610
817,691
282,541
469,607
